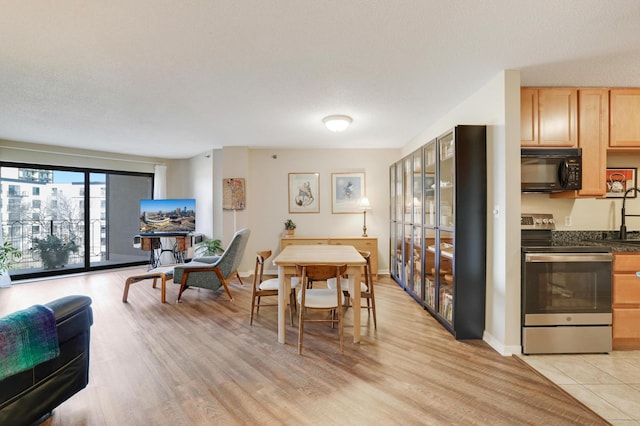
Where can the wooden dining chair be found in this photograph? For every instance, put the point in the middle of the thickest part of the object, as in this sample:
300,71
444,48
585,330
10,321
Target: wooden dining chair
318,299
264,288
366,288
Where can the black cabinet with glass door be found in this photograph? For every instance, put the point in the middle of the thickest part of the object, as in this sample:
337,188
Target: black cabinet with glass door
438,228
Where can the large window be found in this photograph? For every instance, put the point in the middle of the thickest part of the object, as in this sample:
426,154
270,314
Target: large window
69,219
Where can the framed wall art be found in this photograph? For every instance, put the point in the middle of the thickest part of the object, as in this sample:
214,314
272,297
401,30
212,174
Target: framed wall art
619,180
346,191
233,194
304,192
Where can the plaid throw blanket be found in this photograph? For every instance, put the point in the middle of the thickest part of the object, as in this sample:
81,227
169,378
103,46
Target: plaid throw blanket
27,338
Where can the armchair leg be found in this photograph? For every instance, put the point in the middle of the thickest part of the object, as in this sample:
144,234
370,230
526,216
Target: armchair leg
185,278
183,286
239,279
224,282
226,287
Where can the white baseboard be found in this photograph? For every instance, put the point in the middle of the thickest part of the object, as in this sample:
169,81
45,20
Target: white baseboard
500,347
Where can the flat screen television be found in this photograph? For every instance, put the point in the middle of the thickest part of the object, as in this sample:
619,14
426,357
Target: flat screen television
167,216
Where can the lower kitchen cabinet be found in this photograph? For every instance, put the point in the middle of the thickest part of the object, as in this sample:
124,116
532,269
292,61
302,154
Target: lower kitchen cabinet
626,301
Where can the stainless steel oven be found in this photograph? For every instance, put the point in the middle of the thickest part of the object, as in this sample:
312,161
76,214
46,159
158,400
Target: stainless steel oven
566,297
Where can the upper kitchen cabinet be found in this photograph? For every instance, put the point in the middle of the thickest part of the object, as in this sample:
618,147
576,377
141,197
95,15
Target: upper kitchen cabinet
548,117
593,136
625,118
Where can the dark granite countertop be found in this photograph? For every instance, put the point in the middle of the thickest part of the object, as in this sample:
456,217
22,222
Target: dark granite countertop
597,239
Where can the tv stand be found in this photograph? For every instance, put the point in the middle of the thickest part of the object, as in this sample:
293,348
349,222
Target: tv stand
154,245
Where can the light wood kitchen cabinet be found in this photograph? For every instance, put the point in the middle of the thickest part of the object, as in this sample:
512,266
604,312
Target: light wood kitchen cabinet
593,137
528,117
626,301
593,134
369,244
548,117
625,118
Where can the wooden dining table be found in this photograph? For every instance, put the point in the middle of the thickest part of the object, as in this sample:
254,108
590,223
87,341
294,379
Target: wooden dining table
293,255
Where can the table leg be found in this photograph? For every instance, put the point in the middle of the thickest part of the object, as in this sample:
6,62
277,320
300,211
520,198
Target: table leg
284,288
163,290
354,290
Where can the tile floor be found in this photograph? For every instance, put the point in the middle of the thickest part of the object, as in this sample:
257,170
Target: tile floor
609,384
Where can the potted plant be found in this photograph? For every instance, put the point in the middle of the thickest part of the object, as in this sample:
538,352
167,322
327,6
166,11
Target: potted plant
53,251
8,253
209,248
289,227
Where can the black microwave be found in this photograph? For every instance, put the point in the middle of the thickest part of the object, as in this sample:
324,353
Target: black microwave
551,169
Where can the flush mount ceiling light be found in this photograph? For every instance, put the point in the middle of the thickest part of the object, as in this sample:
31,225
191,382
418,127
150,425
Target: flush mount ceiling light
337,123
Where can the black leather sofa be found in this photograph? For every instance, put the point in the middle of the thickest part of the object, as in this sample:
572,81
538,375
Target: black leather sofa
31,395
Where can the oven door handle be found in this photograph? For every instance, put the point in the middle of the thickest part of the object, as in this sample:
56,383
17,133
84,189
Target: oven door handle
568,257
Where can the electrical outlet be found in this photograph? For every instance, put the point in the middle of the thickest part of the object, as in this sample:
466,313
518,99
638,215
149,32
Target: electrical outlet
567,221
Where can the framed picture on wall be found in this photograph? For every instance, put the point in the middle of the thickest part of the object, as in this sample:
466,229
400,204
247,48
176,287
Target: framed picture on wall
346,191
304,192
233,194
619,180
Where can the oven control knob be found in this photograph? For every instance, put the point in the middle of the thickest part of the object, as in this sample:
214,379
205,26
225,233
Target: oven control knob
551,221
545,221
538,221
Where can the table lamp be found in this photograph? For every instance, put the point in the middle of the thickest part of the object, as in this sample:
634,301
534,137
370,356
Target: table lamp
364,205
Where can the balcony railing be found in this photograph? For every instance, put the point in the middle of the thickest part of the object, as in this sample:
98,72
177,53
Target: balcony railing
69,232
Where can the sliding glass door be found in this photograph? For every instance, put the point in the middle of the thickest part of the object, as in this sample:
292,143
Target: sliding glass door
67,220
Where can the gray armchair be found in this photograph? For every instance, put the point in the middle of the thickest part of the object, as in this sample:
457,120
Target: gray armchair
212,272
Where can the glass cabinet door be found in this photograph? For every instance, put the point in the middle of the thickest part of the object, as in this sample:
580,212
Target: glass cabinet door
446,277
408,190
430,282
399,193
446,223
392,224
417,187
429,182
397,266
447,184
392,190
408,257
417,261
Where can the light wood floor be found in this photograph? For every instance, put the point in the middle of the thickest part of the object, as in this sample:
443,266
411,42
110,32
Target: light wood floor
200,363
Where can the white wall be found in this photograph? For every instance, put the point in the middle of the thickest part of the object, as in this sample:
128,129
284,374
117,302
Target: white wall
236,164
267,195
193,178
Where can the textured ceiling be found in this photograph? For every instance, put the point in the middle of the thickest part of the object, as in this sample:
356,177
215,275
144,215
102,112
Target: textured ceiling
176,78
